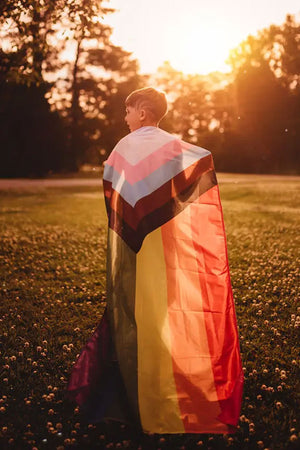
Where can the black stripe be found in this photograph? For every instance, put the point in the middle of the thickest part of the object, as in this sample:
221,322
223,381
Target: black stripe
155,219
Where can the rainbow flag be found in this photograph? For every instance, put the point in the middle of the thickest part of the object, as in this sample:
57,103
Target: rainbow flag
170,304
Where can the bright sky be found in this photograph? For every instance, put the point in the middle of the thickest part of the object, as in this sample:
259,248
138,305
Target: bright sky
194,35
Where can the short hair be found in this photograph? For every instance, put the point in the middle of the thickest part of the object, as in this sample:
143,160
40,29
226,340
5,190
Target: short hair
154,101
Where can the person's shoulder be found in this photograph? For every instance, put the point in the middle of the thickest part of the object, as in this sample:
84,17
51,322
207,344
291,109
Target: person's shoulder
137,136
123,141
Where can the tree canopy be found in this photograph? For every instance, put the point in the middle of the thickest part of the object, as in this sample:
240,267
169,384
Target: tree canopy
63,84
250,118
37,34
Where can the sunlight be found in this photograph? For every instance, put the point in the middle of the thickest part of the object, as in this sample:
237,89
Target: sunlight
192,43
201,50
195,36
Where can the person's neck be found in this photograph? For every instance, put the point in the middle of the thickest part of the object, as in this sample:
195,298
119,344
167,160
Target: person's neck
149,124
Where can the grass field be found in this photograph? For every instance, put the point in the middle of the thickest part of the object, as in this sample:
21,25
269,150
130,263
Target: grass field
52,263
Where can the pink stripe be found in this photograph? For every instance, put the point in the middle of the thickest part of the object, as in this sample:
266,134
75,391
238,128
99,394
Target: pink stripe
149,164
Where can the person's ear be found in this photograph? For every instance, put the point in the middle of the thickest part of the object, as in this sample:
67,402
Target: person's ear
142,114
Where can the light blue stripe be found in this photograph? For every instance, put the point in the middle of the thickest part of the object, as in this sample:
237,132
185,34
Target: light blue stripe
133,193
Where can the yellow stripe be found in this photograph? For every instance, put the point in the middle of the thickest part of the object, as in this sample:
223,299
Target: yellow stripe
158,403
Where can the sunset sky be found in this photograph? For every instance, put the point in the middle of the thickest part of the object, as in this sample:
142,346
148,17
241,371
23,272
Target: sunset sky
194,35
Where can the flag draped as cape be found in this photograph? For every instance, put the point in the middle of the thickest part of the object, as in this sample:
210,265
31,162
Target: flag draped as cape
170,307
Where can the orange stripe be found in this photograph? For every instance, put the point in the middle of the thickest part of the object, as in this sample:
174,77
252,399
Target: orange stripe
187,309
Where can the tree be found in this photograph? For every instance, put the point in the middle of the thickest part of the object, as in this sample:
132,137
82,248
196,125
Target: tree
189,113
36,32
27,27
32,137
201,109
98,69
113,126
267,96
278,46
250,120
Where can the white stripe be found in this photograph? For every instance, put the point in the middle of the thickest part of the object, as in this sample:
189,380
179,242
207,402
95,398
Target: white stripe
133,193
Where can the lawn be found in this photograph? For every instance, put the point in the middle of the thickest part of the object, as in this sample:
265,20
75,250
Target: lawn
52,290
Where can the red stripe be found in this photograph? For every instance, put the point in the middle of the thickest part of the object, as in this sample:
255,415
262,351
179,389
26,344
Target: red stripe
219,309
201,315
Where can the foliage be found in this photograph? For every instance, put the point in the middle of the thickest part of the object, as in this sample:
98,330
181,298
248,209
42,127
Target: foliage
191,108
32,137
37,34
249,119
114,126
267,95
52,263
97,69
28,26
278,46
42,29
90,93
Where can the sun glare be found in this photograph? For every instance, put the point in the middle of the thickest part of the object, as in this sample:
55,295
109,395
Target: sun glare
192,42
199,51
196,36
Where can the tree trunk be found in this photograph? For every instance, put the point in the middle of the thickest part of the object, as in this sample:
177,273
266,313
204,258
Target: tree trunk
75,141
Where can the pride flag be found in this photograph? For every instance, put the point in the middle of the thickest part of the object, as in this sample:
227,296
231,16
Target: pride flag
169,298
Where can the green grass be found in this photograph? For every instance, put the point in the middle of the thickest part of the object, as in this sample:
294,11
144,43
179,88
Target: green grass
52,291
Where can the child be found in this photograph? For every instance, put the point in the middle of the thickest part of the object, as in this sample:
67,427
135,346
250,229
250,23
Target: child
170,308
145,107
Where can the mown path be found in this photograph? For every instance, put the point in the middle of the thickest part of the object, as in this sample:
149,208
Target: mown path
28,183
23,183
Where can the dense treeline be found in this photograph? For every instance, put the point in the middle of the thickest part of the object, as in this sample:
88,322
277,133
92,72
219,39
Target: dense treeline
63,85
250,119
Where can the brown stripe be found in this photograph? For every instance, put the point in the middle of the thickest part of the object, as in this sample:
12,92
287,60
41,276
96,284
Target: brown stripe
134,237
147,204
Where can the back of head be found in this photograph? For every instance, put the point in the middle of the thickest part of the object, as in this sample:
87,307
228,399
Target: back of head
150,99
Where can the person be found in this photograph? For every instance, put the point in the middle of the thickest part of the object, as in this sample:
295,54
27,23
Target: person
166,353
